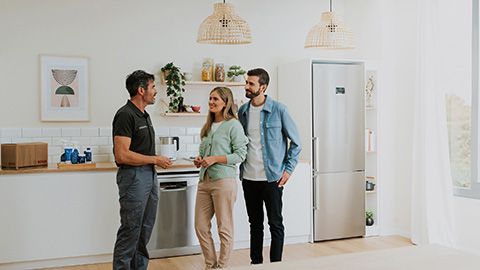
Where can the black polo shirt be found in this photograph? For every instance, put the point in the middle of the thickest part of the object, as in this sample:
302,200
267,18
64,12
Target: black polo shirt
130,122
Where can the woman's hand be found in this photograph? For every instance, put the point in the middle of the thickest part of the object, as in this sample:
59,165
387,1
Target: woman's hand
198,161
208,161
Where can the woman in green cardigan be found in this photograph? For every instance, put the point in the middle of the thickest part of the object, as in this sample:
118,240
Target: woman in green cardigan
223,145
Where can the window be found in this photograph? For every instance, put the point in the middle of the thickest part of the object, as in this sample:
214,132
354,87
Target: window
462,101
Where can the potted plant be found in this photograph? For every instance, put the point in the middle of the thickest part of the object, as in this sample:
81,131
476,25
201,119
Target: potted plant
369,218
235,73
175,80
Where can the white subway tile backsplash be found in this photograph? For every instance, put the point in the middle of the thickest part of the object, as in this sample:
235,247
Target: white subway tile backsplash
22,140
82,141
186,139
182,148
53,159
51,132
105,132
101,158
11,132
162,131
71,132
89,132
98,139
58,141
5,140
105,149
101,141
31,132
177,131
193,131
192,147
95,149
55,150
45,140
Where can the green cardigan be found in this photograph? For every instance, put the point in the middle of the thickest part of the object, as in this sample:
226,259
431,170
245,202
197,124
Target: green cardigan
228,140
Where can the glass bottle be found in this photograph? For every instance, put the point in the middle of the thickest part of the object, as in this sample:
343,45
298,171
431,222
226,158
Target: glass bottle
219,73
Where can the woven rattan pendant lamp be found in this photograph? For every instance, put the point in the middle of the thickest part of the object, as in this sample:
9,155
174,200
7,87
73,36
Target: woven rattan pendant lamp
330,33
224,27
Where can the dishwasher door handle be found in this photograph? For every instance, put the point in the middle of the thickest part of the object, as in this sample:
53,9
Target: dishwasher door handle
173,189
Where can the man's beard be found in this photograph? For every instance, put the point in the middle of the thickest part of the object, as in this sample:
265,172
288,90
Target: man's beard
251,95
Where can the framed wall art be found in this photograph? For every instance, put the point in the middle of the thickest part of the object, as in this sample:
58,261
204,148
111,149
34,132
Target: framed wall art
64,88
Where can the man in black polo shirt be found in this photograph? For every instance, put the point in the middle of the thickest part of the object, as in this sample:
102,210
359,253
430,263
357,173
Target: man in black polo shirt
134,150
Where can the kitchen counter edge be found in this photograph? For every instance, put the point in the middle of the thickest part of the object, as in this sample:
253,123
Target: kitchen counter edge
52,168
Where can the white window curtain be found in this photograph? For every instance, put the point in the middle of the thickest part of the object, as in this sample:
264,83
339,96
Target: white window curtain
432,191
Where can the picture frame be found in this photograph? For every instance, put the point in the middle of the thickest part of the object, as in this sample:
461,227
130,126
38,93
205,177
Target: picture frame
64,88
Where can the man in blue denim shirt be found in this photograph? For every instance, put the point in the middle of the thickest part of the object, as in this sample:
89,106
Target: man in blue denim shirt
270,162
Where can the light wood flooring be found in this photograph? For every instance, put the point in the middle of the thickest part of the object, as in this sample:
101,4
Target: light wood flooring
291,253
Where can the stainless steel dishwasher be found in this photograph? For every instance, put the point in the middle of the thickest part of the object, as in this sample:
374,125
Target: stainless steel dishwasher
174,232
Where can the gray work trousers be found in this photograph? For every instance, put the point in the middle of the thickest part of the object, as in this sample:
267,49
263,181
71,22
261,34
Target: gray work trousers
138,191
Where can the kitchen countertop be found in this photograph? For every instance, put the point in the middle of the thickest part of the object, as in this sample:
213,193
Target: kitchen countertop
100,166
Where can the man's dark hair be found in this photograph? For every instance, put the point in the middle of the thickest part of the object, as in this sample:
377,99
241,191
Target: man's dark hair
262,75
138,78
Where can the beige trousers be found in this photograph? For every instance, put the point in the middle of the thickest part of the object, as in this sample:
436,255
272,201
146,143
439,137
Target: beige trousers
215,197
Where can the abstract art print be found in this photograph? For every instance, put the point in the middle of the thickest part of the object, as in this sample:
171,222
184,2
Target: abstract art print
64,88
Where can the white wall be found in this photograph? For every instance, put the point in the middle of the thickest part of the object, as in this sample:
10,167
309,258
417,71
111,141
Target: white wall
121,36
389,35
386,34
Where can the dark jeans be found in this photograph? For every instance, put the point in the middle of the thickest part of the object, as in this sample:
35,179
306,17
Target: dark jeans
256,193
138,190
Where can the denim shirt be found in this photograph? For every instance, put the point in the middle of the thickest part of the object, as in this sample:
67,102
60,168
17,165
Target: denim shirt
277,126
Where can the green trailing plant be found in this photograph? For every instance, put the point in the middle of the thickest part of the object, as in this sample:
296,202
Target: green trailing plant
235,71
175,81
369,214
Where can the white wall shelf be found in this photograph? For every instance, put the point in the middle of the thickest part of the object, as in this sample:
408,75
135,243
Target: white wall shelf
215,83
187,114
197,92
371,155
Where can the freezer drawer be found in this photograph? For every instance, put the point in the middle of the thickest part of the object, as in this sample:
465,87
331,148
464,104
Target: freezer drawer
339,205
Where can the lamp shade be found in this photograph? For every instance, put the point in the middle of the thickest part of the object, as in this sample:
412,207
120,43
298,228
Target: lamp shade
224,27
330,33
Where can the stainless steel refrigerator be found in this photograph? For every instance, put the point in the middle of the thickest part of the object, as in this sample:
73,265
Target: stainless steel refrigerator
338,150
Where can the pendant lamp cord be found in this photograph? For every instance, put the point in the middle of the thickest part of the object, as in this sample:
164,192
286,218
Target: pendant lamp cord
330,5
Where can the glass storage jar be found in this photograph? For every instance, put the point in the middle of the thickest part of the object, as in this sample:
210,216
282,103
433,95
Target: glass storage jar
206,72
219,73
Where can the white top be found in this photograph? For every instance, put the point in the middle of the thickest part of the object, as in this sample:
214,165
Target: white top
215,125
253,168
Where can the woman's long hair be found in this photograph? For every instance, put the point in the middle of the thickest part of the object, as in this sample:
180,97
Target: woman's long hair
229,111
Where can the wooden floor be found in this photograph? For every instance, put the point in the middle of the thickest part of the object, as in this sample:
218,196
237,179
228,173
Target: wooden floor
291,253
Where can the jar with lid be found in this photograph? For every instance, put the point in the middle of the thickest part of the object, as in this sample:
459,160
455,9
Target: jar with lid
219,73
206,72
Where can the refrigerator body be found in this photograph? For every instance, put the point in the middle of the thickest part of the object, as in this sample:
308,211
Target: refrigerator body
338,150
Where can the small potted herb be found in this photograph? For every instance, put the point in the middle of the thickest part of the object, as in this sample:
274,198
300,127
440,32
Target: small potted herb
369,218
235,74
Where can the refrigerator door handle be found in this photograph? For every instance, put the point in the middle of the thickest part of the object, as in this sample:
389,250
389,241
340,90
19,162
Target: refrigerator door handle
316,194
316,159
